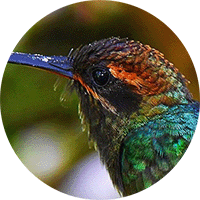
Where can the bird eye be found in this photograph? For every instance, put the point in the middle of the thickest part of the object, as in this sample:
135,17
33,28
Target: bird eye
100,76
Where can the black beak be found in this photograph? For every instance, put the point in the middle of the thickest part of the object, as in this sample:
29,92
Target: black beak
60,65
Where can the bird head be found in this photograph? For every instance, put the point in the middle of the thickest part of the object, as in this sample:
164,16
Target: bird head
118,76
124,77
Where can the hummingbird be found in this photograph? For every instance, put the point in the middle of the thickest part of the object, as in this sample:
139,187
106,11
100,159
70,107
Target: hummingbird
140,114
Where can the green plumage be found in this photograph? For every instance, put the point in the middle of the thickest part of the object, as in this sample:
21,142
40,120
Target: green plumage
136,105
152,150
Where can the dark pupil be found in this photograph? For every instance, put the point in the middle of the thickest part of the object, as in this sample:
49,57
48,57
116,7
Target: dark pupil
100,76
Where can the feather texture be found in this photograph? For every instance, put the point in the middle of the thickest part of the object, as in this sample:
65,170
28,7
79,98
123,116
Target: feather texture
152,150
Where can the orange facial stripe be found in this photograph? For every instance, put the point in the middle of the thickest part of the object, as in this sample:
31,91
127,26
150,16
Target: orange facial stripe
103,101
130,78
89,90
146,83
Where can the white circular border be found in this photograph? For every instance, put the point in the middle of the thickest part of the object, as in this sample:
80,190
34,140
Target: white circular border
16,180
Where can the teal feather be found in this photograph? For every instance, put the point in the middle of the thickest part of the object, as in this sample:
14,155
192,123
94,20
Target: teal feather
152,150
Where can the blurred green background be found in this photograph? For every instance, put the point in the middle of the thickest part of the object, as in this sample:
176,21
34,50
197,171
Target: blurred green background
46,135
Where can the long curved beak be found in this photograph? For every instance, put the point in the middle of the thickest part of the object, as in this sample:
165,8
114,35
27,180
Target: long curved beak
60,65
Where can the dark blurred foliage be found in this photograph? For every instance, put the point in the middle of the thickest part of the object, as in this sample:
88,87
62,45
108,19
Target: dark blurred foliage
27,95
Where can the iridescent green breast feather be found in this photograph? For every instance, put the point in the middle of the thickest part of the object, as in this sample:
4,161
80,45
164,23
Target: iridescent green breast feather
152,150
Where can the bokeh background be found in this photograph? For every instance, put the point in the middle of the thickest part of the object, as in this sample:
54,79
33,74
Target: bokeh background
46,133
